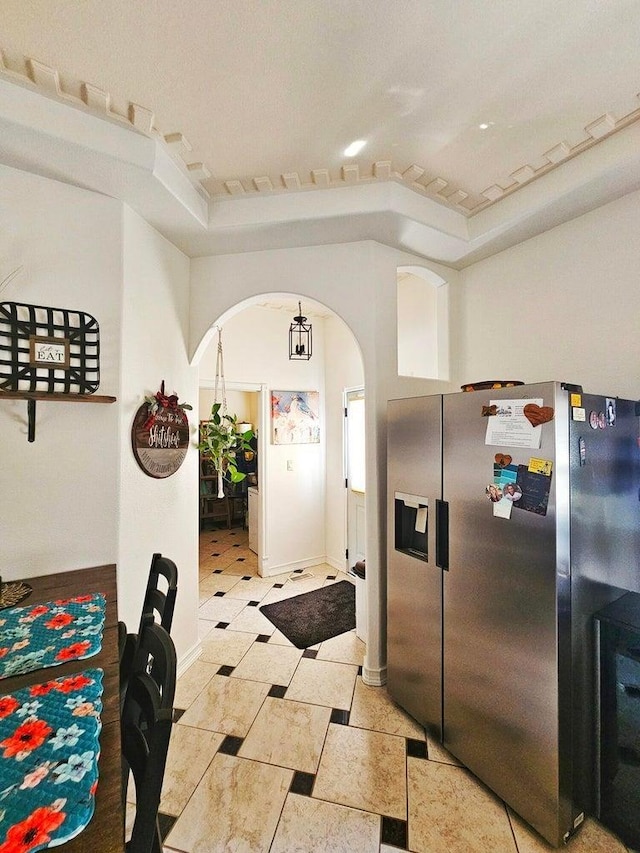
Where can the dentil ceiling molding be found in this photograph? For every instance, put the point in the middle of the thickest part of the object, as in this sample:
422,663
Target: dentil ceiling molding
35,74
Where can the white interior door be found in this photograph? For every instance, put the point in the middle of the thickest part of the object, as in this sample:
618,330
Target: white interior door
355,474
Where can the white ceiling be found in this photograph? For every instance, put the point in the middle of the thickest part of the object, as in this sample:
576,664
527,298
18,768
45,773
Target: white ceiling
260,97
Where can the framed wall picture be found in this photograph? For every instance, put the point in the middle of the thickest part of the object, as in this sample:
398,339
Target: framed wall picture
295,417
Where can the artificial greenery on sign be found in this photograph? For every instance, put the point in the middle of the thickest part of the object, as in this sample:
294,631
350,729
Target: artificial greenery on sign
220,442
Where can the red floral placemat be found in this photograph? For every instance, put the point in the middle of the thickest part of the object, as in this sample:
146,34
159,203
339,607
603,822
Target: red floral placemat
49,750
49,634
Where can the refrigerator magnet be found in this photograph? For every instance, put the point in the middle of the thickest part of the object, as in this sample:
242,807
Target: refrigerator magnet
503,459
537,415
602,421
578,413
493,492
593,420
610,407
541,466
512,492
535,490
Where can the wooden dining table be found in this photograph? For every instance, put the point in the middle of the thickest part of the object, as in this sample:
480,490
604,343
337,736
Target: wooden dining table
104,832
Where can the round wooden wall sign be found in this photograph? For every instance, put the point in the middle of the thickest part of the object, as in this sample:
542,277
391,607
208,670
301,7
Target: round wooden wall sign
160,436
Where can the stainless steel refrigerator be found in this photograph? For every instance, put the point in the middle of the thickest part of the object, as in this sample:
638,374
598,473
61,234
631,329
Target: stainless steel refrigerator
506,532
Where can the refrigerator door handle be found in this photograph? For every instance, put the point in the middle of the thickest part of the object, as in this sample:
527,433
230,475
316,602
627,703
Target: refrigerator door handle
442,534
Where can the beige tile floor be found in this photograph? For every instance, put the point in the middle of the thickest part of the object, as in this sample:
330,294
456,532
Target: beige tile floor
284,750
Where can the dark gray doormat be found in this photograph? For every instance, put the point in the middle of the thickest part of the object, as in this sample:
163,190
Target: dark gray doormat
313,617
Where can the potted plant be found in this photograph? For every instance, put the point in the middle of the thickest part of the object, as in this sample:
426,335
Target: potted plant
220,441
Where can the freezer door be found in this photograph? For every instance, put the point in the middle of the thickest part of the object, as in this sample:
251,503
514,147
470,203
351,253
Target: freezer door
605,545
414,583
503,639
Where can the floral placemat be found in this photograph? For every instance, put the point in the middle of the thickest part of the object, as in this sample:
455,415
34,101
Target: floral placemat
49,634
49,750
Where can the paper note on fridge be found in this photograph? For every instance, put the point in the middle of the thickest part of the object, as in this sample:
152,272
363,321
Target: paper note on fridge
502,509
510,428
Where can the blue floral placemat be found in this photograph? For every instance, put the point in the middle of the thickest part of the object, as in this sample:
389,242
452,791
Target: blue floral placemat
49,634
49,750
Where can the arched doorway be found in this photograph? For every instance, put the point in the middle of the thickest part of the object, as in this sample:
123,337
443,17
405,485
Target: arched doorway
301,487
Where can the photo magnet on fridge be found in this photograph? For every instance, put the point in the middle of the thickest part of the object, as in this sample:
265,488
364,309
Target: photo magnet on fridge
610,408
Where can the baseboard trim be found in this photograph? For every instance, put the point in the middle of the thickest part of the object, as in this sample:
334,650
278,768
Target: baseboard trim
188,658
285,568
374,677
336,564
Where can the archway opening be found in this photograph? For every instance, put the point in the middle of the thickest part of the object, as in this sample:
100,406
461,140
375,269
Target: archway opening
299,505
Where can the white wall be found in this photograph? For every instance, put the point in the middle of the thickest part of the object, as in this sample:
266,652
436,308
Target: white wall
561,306
156,515
255,345
343,369
76,497
59,494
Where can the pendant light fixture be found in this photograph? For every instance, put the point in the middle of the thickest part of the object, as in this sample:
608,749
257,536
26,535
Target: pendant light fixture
300,340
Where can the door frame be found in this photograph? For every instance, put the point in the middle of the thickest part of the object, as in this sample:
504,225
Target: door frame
360,390
263,443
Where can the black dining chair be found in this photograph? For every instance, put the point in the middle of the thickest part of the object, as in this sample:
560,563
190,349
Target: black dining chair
146,723
159,602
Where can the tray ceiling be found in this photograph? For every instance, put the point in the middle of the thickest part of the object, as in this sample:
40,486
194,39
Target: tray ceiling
462,102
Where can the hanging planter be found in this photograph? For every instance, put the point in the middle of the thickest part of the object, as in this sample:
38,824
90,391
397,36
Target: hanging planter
220,441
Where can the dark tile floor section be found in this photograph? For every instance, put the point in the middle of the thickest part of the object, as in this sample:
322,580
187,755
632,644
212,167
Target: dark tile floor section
310,653
416,748
226,670
340,716
165,823
277,691
302,783
230,745
394,832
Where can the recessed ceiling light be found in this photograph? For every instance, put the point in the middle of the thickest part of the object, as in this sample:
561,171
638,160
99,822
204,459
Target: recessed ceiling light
483,126
355,148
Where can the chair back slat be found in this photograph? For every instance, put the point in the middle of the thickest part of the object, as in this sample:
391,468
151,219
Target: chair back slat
156,599
158,604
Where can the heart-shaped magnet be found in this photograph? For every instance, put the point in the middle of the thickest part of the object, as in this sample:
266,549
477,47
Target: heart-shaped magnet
537,415
503,459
